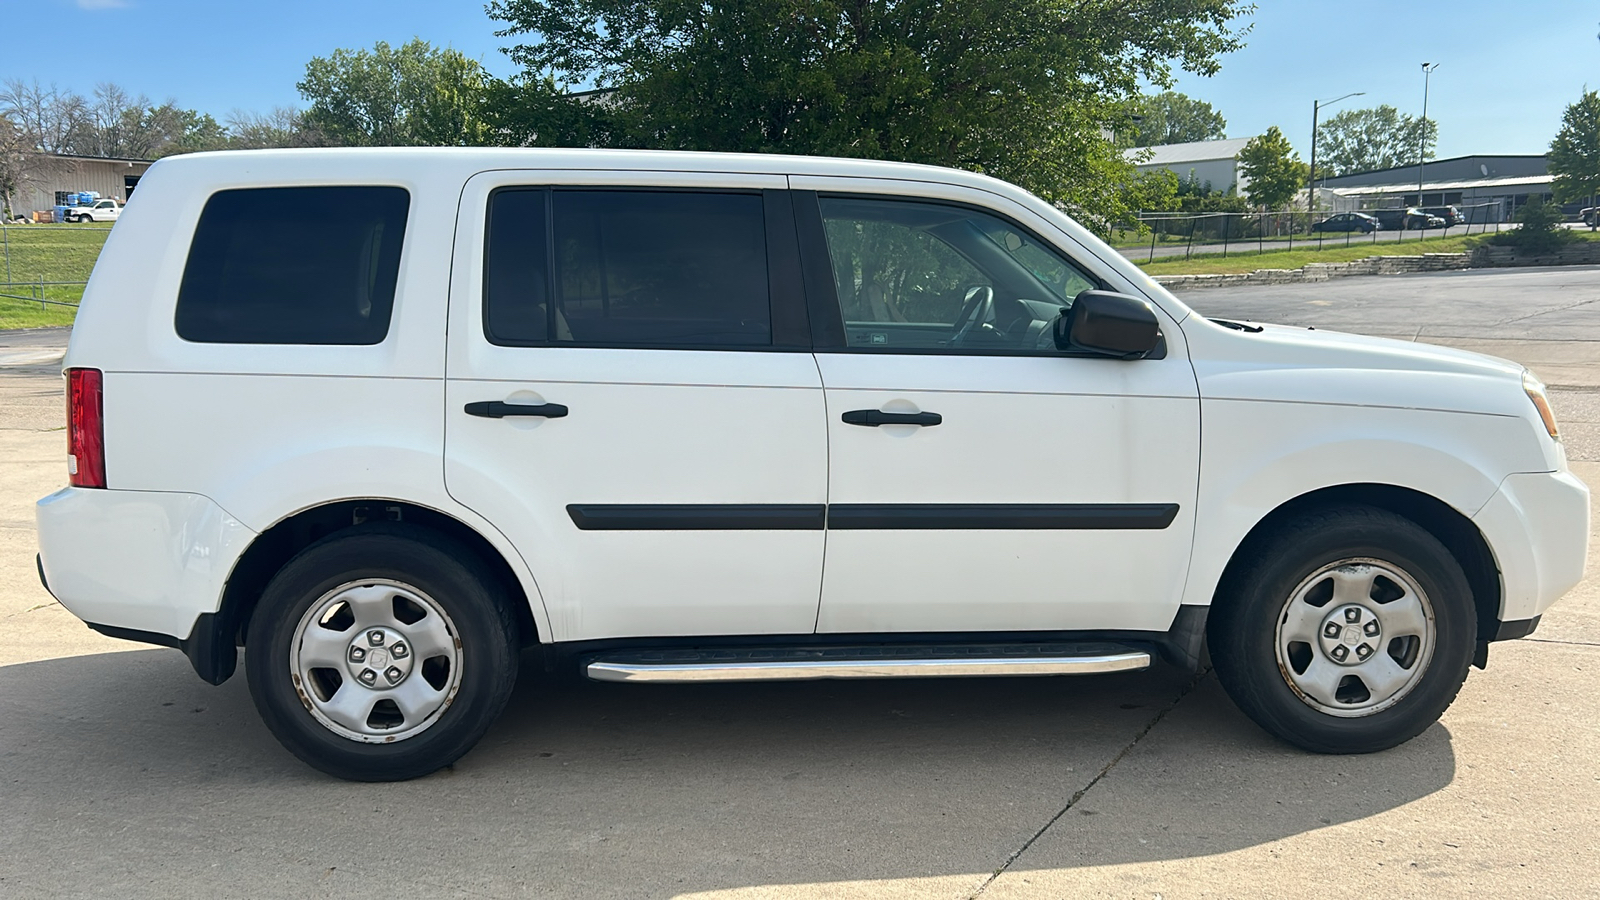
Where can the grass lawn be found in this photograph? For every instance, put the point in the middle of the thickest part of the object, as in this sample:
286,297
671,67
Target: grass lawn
34,253
25,314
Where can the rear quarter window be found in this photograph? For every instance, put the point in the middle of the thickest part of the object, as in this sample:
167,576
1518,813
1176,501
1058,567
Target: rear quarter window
301,265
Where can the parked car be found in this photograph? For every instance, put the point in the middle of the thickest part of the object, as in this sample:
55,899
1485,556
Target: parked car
1451,216
106,210
1351,221
1408,219
385,417
1587,216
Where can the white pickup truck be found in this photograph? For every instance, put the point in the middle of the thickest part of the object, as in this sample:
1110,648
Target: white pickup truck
105,210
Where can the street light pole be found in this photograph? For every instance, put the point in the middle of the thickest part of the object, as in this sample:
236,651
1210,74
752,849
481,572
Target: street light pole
1311,188
1422,130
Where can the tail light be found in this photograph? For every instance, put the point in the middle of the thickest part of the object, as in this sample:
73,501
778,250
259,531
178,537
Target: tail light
86,432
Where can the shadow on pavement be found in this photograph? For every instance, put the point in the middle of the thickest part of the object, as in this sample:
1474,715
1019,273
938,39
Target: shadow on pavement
1207,781
583,789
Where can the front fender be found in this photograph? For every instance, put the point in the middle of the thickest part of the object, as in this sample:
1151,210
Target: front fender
1257,455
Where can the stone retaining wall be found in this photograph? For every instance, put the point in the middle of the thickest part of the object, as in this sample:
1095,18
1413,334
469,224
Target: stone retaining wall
1372,265
1580,253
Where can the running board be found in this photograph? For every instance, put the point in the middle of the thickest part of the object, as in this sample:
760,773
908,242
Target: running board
810,663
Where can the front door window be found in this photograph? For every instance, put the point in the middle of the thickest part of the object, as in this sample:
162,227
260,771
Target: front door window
917,276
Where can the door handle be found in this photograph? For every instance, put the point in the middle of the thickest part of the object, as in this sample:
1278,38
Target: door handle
496,409
872,418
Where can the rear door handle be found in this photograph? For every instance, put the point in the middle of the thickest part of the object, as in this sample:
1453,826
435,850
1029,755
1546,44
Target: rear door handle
872,418
496,409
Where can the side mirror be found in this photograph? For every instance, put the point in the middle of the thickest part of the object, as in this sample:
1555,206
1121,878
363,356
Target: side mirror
1113,324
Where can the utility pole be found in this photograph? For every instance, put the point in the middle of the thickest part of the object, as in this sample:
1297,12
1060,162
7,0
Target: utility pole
1422,131
1311,188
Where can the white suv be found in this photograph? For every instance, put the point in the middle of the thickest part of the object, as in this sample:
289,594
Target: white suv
386,418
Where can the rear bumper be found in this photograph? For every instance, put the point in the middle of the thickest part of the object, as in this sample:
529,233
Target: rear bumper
1538,527
142,563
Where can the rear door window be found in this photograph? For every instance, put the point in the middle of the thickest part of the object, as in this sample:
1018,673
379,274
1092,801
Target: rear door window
300,265
627,268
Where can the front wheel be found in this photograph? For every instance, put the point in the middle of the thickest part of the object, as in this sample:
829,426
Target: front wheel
380,654
1348,631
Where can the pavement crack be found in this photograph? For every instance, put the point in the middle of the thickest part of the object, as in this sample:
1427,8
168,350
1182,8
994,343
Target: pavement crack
1568,643
1081,792
1545,312
31,609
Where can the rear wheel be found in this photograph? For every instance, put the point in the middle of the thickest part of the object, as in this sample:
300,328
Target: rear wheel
1350,631
380,654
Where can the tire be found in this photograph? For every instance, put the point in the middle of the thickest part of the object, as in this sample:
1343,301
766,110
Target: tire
404,607
86,218
1366,566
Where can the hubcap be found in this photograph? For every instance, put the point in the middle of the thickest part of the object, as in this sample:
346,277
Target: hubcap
379,657
1351,634
1355,637
376,661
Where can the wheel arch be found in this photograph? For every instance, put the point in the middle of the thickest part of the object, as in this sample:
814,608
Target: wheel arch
1449,525
216,657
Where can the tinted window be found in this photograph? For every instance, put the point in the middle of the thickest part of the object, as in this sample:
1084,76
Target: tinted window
925,276
662,268
516,269
310,265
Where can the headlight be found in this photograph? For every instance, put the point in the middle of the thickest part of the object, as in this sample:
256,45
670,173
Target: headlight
1536,393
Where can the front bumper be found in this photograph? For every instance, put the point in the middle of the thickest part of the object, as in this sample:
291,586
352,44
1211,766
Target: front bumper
1537,525
145,563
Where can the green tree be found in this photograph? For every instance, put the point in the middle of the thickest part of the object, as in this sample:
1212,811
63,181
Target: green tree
1173,118
1575,152
1362,140
1022,89
157,131
538,112
1272,168
1154,191
413,95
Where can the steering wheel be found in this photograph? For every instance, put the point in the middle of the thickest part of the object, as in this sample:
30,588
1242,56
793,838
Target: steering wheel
976,308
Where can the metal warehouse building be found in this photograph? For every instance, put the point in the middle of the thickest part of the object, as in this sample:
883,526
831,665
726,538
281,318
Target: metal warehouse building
108,177
1491,186
1210,163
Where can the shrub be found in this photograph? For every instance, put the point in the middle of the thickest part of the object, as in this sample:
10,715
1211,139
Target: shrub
1540,229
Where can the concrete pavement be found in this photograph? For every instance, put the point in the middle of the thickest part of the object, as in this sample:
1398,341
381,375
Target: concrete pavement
122,774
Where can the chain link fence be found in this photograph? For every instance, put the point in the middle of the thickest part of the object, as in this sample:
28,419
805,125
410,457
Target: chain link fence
1172,234
48,264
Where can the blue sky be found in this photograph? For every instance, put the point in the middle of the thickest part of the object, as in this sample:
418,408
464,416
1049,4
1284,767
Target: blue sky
1507,69
218,55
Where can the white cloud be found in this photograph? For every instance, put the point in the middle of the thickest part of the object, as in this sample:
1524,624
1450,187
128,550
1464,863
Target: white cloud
102,4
